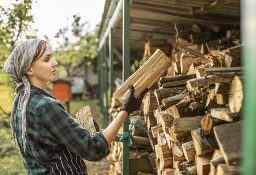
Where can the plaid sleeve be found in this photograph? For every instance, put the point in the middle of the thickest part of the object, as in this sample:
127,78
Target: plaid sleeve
68,132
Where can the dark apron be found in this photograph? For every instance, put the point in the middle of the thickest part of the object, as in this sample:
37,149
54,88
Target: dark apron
68,164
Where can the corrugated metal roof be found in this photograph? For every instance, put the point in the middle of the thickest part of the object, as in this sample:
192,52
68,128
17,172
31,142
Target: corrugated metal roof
156,19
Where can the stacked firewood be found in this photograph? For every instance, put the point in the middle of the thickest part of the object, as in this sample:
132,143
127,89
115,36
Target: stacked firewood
193,115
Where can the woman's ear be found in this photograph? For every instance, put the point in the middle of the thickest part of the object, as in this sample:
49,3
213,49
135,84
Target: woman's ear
30,71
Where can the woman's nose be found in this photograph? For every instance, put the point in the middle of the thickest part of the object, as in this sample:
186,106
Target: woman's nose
55,63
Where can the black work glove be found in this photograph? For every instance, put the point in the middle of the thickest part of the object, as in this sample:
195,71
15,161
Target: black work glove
96,125
131,103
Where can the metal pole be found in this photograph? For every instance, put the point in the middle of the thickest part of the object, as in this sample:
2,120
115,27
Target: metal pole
111,63
249,113
101,94
126,73
105,85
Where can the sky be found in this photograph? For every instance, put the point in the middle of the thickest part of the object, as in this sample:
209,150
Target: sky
52,15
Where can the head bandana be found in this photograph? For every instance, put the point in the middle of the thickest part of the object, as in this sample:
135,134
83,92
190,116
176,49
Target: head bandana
17,65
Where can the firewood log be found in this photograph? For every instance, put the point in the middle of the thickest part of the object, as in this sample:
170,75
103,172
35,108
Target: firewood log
178,135
139,128
224,71
204,143
175,78
207,123
236,95
204,81
229,146
152,140
182,110
203,164
149,103
186,123
224,169
170,101
163,93
151,121
223,114
145,76
233,56
189,151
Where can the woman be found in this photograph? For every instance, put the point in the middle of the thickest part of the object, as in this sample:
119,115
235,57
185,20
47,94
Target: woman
49,139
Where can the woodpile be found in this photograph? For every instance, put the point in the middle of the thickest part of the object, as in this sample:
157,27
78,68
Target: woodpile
193,116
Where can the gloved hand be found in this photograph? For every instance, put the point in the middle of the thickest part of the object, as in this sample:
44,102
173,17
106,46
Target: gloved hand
131,103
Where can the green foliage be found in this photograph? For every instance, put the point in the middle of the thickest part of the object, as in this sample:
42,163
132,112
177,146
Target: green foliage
14,25
78,50
137,64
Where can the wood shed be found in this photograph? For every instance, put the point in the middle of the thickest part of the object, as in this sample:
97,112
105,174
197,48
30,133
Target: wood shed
191,119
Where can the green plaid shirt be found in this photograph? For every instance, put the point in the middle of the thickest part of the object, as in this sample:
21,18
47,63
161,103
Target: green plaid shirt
51,131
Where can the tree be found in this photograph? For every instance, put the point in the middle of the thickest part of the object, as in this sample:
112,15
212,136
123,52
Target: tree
14,25
79,49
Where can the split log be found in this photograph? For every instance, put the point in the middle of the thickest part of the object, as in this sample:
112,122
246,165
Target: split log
175,78
217,158
200,71
178,135
140,165
139,128
140,141
236,95
224,71
204,143
152,159
182,110
222,88
151,121
229,146
171,71
221,99
189,151
186,123
163,93
211,100
233,56
161,140
152,140
191,170
223,114
145,76
192,68
185,62
197,106
203,165
224,169
149,103
207,123
166,120
175,84
155,130
142,173
168,171
170,101
164,155
177,150
204,81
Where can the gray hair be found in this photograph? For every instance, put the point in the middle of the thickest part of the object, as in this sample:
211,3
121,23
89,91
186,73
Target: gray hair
17,65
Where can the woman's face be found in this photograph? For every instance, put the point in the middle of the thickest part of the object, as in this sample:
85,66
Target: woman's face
44,69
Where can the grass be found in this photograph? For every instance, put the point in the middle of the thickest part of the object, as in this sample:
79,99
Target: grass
6,99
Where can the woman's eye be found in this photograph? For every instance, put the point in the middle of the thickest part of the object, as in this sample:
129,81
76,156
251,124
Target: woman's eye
47,59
